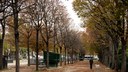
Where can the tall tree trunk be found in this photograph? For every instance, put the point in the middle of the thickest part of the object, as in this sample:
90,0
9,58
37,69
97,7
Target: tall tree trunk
2,43
65,56
111,56
1,54
16,32
72,56
28,51
47,61
124,40
60,56
116,43
123,66
54,45
57,50
37,39
54,39
17,50
1,46
68,57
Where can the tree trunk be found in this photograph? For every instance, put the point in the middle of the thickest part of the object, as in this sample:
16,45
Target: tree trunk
56,50
37,39
47,61
124,41
54,42
1,47
16,32
54,46
28,51
60,56
65,56
72,57
17,50
123,66
116,43
111,56
2,43
68,58
1,54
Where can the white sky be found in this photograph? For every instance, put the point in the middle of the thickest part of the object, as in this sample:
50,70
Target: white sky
72,14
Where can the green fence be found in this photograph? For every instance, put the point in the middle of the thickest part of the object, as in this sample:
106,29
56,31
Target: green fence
54,58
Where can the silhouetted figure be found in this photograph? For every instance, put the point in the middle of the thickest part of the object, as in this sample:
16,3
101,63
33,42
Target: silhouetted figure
91,63
5,59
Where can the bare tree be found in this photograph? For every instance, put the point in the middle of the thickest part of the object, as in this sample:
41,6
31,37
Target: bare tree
17,6
49,25
26,31
36,17
63,23
4,14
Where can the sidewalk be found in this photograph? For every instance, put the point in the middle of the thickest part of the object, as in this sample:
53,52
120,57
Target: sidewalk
98,67
81,66
22,62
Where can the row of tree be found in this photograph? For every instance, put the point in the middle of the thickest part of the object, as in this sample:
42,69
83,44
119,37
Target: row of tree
39,25
107,29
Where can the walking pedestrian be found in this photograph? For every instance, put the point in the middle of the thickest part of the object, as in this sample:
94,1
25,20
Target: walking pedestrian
91,63
5,59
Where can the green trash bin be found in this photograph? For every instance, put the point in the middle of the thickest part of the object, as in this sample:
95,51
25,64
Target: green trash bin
54,58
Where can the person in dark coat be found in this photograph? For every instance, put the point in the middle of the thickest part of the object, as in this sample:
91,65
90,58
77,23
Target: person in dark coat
5,61
91,63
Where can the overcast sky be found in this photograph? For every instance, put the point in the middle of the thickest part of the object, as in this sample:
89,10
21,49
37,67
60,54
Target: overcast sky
73,15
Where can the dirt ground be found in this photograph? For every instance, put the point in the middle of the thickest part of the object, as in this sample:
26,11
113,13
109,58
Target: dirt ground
81,66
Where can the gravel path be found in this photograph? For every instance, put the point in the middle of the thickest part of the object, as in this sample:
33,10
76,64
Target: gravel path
81,66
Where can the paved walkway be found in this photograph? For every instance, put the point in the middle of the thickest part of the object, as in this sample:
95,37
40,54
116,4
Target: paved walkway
81,66
98,67
22,62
